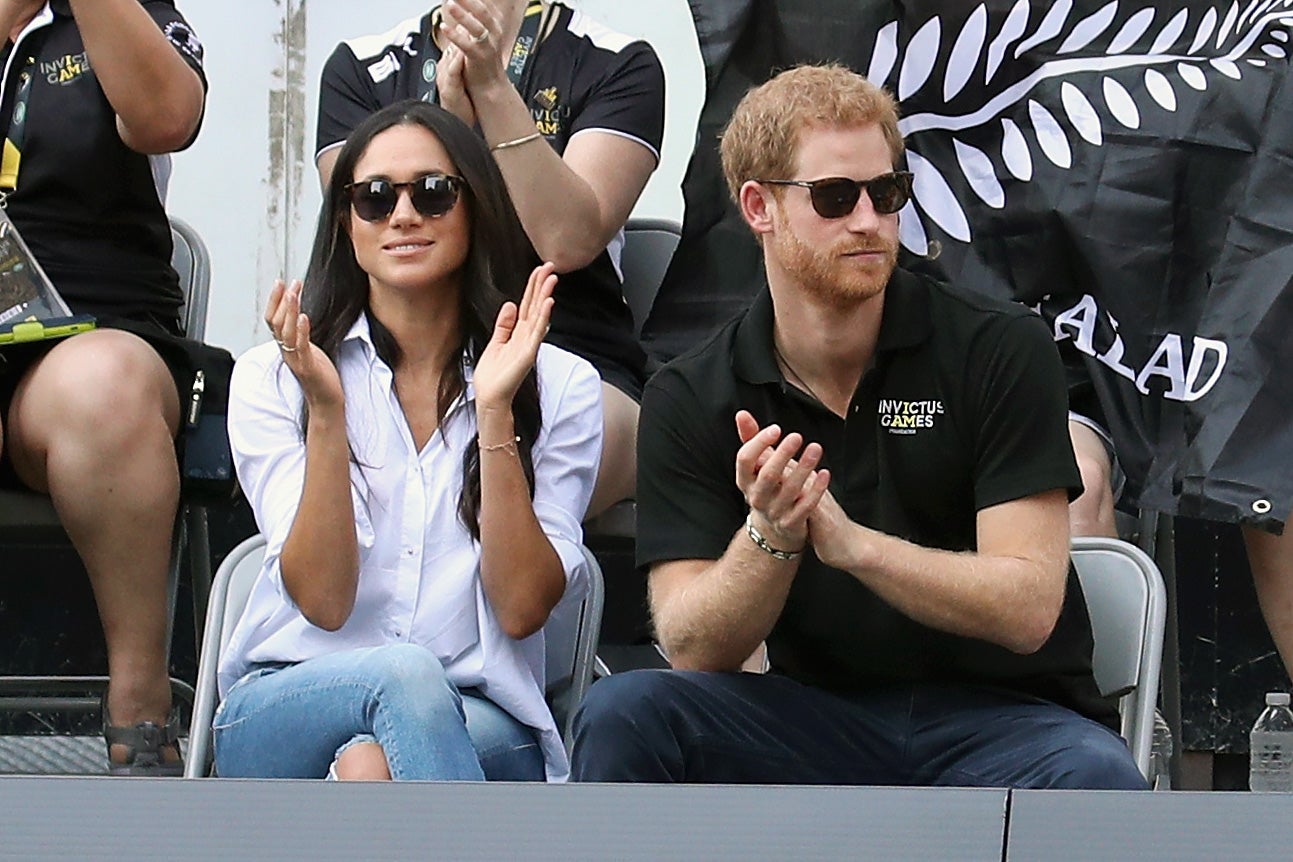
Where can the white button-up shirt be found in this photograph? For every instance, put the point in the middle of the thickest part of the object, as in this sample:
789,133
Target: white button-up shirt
419,568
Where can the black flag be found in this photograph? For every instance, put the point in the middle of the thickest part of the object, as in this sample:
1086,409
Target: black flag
1125,168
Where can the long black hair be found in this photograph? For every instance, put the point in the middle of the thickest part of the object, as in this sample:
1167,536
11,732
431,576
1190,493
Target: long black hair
498,263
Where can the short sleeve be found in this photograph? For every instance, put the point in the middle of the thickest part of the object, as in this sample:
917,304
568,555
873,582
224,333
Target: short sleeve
345,99
629,100
1022,446
688,505
179,34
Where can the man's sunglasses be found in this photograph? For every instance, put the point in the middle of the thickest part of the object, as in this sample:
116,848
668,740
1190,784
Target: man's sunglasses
432,195
835,197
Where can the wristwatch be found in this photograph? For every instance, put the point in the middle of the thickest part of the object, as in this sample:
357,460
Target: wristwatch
757,537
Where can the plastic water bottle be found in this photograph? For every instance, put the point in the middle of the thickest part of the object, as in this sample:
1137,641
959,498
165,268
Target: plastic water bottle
1160,754
1271,747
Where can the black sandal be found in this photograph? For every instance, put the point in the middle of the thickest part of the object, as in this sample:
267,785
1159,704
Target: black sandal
145,744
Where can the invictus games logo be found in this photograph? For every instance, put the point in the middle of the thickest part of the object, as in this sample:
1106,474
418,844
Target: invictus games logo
548,112
907,417
66,69
546,98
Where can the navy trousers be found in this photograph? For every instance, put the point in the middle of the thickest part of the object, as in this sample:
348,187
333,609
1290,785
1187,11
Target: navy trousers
739,728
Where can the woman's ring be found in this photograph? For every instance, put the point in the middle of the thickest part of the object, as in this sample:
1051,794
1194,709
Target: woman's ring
483,37
284,346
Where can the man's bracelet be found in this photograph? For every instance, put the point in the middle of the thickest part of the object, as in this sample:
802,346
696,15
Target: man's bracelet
533,136
757,537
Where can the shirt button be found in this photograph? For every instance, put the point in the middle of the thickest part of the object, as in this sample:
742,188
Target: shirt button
408,552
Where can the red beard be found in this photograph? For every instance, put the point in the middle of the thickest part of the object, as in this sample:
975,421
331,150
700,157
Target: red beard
829,274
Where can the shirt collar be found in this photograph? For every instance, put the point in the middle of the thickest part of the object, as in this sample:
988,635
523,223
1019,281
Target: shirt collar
362,335
905,323
46,14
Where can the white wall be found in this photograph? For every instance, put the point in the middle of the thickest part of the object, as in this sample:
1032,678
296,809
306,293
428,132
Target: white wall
248,184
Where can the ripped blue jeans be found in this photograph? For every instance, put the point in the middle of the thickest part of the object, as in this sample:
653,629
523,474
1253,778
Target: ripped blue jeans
291,721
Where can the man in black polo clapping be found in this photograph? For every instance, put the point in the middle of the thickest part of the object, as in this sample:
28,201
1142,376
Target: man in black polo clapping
897,529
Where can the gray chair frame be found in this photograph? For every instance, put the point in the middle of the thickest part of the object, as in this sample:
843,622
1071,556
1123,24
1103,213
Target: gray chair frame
649,244
28,517
571,636
1127,603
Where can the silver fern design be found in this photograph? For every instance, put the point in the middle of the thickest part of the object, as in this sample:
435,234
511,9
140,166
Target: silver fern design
1165,49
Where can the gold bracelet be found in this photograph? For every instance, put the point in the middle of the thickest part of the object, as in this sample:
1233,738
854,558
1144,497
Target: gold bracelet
516,142
507,446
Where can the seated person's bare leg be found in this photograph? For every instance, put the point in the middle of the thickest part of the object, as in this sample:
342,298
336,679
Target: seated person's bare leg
617,475
1092,513
1271,559
363,761
92,424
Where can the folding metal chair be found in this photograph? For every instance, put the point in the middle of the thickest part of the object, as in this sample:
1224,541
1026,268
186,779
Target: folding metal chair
1127,603
570,636
649,244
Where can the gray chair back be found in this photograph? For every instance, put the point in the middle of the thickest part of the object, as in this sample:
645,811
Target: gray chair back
1127,603
229,592
192,263
570,638
649,244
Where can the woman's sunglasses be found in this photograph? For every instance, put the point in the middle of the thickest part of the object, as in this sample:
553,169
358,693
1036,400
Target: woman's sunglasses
432,195
835,197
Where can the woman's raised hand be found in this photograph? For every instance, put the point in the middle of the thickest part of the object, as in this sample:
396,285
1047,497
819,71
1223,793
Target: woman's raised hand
451,86
474,28
518,332
310,365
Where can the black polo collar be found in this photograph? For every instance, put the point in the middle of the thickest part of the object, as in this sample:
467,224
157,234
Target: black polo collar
61,7
905,323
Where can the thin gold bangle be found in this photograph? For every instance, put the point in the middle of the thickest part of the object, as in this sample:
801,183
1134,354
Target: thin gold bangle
516,142
506,446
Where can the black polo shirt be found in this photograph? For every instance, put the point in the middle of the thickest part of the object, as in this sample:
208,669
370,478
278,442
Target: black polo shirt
964,408
90,207
581,77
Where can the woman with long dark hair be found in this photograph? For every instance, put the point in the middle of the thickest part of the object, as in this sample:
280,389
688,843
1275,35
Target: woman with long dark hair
574,113
419,464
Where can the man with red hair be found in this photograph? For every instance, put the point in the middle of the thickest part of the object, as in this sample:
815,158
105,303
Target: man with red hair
897,529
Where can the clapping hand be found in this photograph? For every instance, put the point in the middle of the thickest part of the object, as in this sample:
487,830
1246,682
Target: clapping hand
474,30
451,86
781,483
829,527
291,329
518,332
